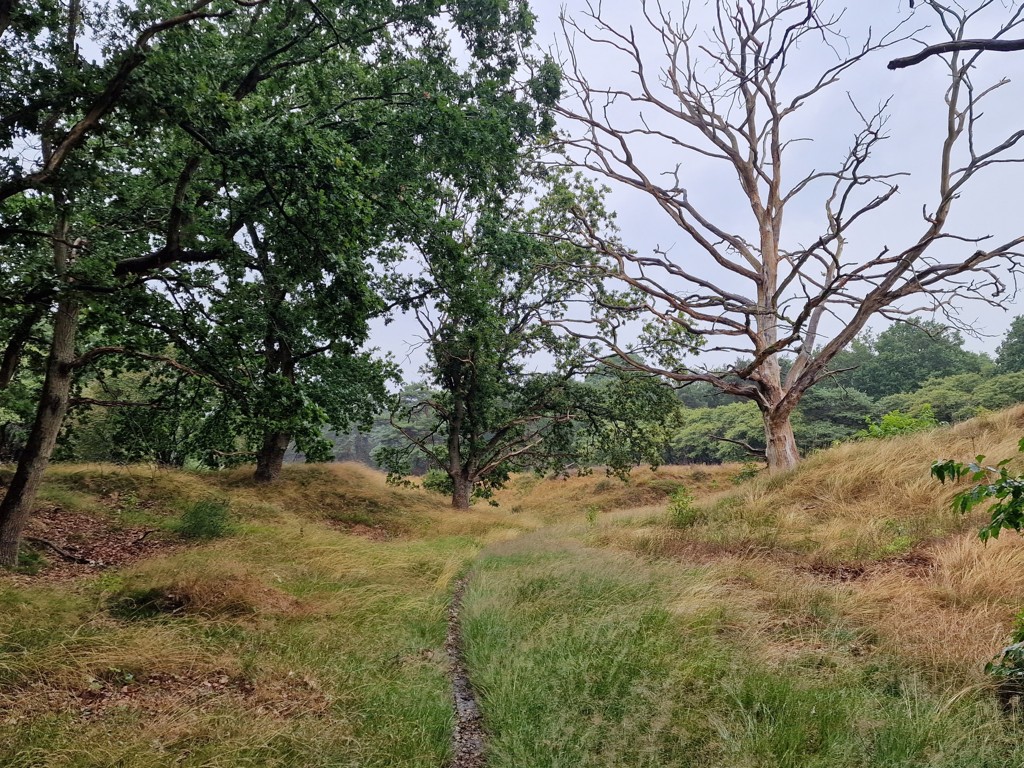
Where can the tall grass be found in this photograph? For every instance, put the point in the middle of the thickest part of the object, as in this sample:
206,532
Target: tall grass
295,642
587,658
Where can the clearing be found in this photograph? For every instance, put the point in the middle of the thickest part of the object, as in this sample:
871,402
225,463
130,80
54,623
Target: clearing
836,616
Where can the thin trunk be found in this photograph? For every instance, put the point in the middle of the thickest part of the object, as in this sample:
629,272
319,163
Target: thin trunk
16,345
780,444
270,458
53,404
462,489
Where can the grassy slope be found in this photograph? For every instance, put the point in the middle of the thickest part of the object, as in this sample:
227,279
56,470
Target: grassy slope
292,642
836,616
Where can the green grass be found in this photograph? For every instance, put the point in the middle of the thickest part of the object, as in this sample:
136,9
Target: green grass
592,658
600,631
332,644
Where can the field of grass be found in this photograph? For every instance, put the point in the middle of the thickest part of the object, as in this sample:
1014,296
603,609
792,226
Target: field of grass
312,635
839,615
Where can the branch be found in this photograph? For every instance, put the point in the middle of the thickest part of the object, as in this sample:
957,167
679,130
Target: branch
748,448
74,401
952,46
106,101
98,352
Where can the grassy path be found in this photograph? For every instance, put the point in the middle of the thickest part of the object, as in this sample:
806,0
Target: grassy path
589,657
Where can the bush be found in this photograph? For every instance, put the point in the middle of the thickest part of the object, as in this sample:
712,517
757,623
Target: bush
681,511
437,480
748,472
205,519
899,423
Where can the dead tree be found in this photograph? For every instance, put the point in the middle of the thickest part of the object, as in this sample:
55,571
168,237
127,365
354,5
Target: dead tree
727,98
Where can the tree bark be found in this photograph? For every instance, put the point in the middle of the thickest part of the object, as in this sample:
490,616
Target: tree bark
461,492
53,404
270,458
780,444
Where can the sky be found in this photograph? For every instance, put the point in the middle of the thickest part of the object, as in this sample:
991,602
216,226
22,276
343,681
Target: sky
992,205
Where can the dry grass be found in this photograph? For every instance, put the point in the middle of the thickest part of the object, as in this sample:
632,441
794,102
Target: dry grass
855,553
559,499
311,635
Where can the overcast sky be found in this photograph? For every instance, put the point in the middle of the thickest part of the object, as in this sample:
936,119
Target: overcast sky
992,205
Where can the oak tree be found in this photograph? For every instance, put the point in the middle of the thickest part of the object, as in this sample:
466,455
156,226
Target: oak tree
730,95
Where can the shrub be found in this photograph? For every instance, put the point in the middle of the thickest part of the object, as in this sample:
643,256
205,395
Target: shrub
899,423
437,480
748,472
205,519
681,511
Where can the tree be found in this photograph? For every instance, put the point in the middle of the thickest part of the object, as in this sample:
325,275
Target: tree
1010,353
492,269
202,131
743,282
903,356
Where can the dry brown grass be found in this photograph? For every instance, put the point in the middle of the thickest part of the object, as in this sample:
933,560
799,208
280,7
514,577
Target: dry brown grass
556,499
858,502
855,553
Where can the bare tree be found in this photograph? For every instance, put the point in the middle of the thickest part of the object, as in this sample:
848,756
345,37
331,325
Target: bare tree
728,100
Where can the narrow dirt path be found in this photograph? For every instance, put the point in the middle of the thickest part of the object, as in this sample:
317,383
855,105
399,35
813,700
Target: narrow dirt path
469,738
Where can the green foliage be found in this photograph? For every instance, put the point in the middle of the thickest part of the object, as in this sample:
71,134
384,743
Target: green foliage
205,519
995,484
681,512
899,423
1008,666
904,356
496,268
750,470
695,432
438,481
1010,353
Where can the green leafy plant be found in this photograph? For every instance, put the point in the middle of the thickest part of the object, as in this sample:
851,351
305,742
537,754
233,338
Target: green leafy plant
437,480
681,511
205,519
994,483
900,423
747,472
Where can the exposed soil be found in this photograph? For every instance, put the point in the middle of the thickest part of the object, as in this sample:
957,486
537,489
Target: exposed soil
76,544
162,693
469,740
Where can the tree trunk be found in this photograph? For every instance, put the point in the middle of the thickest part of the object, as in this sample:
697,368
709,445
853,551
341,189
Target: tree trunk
780,444
270,459
53,404
462,490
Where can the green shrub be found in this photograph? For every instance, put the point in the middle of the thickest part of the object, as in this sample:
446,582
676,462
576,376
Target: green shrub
748,472
900,423
681,511
205,519
437,480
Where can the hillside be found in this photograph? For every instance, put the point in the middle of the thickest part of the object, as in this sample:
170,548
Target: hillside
838,615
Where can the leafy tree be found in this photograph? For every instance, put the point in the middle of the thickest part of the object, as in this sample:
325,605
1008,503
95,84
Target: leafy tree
951,398
1010,353
730,96
201,115
827,415
732,432
492,269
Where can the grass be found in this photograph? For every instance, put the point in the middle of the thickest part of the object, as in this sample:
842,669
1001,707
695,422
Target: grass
595,658
291,642
819,618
